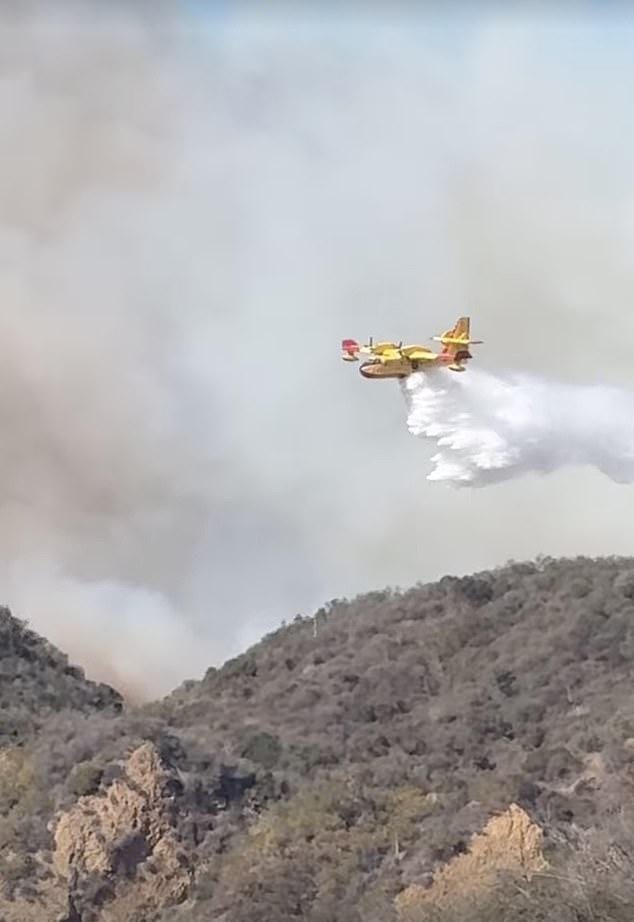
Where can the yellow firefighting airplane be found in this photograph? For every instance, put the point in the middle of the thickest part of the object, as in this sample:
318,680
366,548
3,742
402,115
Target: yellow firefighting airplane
394,360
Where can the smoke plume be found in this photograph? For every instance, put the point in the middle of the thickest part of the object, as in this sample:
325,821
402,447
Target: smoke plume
198,201
490,428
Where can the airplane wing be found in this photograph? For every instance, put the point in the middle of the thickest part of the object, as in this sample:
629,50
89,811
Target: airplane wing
418,353
383,348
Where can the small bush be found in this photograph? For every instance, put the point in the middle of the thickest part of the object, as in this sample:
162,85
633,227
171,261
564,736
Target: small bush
85,779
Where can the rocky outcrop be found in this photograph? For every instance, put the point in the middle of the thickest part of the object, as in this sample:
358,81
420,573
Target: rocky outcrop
119,850
509,844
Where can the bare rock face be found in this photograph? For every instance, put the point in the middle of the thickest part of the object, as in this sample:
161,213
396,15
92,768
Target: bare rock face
510,843
118,852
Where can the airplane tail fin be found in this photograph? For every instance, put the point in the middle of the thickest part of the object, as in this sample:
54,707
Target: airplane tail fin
458,338
456,343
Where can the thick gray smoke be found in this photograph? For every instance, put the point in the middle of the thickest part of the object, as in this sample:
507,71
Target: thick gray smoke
106,459
194,210
489,428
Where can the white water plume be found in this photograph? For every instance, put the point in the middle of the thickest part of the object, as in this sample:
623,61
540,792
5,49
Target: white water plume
490,428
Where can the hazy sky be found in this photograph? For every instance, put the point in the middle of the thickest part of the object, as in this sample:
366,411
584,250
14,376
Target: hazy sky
196,205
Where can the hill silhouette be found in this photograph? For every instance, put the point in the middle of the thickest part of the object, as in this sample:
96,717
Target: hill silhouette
339,768
36,681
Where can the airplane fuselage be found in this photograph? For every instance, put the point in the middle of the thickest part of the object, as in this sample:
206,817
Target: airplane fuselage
379,370
402,368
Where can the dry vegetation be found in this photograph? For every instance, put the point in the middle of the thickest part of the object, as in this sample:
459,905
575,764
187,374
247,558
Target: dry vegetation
332,771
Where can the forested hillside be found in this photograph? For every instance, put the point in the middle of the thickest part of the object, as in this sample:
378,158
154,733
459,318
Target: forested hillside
340,768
